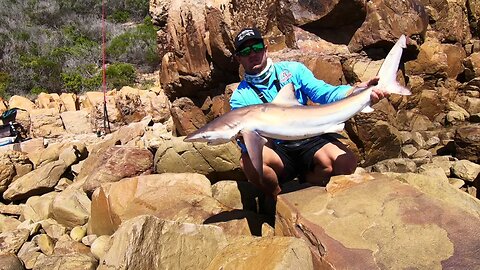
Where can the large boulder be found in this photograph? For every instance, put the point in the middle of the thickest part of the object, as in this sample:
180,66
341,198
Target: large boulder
367,221
217,162
114,164
179,197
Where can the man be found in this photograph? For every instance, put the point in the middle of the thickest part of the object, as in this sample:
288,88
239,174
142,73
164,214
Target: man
314,159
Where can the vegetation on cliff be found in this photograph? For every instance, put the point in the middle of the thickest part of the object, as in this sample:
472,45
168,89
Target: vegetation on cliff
55,46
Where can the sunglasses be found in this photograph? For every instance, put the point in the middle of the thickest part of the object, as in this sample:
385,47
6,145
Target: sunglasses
257,47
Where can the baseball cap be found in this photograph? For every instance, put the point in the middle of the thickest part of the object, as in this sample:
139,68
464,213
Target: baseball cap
245,35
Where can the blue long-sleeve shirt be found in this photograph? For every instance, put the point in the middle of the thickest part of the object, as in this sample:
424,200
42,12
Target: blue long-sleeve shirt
305,83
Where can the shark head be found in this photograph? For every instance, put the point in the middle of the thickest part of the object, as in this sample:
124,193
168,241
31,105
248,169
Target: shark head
220,130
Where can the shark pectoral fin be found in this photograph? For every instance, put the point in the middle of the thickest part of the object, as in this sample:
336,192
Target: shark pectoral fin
286,96
254,143
367,109
336,128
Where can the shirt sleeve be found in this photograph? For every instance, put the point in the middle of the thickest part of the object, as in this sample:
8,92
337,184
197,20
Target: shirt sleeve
318,90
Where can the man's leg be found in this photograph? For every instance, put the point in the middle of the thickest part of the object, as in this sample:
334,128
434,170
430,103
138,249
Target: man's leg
272,167
334,158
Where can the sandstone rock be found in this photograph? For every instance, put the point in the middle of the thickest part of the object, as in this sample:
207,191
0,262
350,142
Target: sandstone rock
36,182
76,122
467,142
100,246
11,262
13,240
116,163
179,197
387,214
71,208
11,209
46,123
37,208
236,194
53,229
466,170
70,101
28,253
250,253
72,261
186,116
77,233
217,162
434,58
165,247
94,104
21,103
8,223
45,243
49,101
450,20
66,245
400,165
7,172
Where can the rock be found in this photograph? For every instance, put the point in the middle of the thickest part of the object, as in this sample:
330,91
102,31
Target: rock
77,233
66,245
250,253
72,261
53,229
466,170
37,208
116,163
165,245
100,246
180,197
29,253
217,162
13,240
8,223
46,123
400,165
467,142
70,101
387,214
21,103
49,101
71,208
236,194
11,209
7,172
45,243
186,116
76,122
10,262
36,182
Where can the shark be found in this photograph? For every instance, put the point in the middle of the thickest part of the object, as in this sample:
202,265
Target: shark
286,119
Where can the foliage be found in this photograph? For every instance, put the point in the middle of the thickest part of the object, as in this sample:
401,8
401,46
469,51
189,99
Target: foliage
56,45
120,74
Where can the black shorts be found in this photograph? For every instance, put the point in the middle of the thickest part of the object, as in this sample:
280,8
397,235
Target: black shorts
297,156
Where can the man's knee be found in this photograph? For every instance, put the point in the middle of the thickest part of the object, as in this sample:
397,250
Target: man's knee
345,164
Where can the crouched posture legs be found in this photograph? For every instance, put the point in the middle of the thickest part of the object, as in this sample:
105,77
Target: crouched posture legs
333,158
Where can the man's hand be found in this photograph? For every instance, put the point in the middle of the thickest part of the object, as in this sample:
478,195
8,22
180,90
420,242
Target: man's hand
377,94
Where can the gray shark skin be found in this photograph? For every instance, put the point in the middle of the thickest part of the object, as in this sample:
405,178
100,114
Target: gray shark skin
286,119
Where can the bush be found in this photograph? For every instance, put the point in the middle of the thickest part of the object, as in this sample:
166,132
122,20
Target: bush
120,74
4,83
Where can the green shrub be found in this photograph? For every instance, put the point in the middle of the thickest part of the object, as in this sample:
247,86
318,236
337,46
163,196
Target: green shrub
119,16
4,83
120,74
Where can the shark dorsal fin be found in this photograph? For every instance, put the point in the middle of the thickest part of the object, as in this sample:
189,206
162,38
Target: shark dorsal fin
286,96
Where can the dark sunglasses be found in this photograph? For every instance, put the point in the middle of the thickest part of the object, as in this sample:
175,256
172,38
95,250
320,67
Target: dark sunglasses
257,47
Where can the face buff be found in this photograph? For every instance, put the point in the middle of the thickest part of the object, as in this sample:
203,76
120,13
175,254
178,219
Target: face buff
262,75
